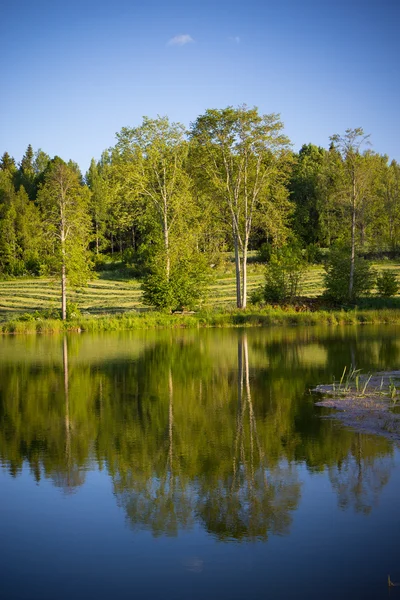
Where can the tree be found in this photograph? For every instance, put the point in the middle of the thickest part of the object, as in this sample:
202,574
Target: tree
150,166
98,202
155,153
305,193
391,204
26,173
20,230
337,275
245,156
353,183
64,204
7,163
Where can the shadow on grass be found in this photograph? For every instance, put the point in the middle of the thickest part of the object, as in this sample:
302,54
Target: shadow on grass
120,274
377,303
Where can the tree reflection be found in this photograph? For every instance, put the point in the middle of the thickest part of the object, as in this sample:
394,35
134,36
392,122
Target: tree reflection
250,500
161,503
193,426
359,479
70,475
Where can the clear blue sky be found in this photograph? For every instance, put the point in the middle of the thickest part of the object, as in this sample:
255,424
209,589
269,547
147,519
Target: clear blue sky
74,73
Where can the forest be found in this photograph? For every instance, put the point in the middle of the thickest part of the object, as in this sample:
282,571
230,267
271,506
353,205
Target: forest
168,202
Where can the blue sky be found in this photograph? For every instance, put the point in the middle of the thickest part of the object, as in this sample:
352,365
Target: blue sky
74,73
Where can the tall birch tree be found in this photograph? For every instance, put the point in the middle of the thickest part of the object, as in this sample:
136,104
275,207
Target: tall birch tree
152,158
245,156
353,184
64,204
149,164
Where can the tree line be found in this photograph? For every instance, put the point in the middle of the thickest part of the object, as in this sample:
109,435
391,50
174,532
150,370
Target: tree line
168,201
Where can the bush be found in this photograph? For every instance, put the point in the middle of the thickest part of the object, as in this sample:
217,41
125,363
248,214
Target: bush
283,274
73,311
257,295
337,276
186,286
387,284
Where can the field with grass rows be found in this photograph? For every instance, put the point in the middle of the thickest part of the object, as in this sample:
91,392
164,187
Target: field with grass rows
105,295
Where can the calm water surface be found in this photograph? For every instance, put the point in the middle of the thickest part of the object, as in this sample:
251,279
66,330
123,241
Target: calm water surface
192,464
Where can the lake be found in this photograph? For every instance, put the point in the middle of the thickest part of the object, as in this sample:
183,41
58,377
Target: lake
193,464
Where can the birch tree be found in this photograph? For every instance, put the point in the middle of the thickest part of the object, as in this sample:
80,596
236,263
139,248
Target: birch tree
353,184
150,161
245,156
152,158
64,205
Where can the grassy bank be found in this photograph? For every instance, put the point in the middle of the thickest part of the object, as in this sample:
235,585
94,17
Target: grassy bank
212,318
112,302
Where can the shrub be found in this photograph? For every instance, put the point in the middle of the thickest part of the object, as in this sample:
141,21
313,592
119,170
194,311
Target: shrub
257,295
187,284
73,311
337,276
283,274
387,284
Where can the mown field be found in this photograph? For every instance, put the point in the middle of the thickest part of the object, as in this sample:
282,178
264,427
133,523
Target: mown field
108,295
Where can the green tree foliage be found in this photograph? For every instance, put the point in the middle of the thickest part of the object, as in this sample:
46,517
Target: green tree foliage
150,161
283,275
26,173
387,235
99,202
188,280
168,203
351,188
246,159
306,193
337,273
387,284
20,230
64,207
7,163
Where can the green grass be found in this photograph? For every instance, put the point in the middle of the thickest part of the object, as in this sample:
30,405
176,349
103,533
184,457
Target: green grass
115,303
212,318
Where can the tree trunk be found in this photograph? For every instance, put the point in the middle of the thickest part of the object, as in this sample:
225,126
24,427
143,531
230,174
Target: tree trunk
353,239
237,269
166,246
133,238
97,238
63,293
63,278
244,266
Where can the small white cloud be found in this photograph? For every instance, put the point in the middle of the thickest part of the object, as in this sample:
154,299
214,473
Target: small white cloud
181,40
235,39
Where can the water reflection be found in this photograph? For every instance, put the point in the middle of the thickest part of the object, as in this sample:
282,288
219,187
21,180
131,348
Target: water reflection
359,479
204,427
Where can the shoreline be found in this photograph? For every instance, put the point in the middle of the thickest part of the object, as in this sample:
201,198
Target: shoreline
251,317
